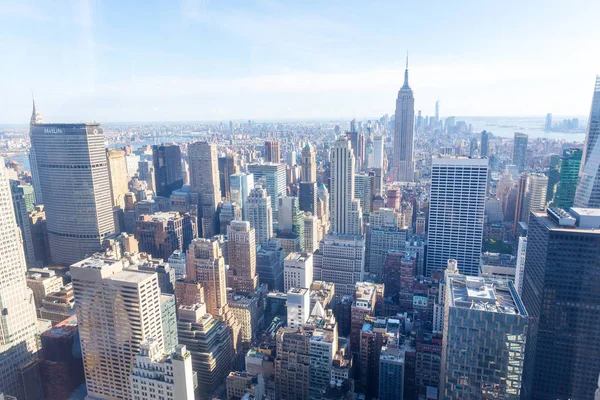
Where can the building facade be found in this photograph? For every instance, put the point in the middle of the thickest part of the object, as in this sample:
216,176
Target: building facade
403,168
74,180
456,212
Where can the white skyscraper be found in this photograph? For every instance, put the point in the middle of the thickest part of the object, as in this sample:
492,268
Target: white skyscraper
117,309
18,323
260,214
297,271
456,212
240,185
298,307
520,268
309,164
535,195
378,152
346,212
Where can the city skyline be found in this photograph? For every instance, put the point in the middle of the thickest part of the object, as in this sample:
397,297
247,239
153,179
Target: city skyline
127,71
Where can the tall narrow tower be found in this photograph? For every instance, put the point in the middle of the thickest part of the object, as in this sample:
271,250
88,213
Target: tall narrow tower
18,320
403,168
73,174
346,212
36,118
588,189
204,180
309,164
241,248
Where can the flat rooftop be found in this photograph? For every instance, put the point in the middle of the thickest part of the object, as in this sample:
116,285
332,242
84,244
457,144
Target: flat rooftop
95,262
301,257
477,293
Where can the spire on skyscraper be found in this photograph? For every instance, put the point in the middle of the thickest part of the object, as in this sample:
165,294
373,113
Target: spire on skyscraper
406,74
36,117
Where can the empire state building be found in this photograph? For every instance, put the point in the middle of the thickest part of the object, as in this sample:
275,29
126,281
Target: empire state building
403,168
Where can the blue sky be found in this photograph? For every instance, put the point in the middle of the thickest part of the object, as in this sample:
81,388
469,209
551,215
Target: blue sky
228,59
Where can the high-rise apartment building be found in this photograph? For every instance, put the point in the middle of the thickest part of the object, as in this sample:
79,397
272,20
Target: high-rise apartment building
312,233
260,214
483,348
272,177
73,174
383,234
117,310
535,195
117,172
18,343
342,261
392,367
560,292
240,185
272,152
157,374
204,182
563,177
588,188
209,342
241,248
403,168
161,233
205,264
363,184
146,173
346,211
168,172
456,212
520,151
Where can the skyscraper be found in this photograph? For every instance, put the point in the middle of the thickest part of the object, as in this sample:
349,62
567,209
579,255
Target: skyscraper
117,172
403,168
36,118
378,152
241,248
18,320
20,203
272,152
309,164
260,214
73,173
535,195
205,264
484,151
520,151
588,189
117,309
346,217
563,177
161,233
168,172
489,316
341,261
270,176
456,211
227,166
204,181
240,186
560,292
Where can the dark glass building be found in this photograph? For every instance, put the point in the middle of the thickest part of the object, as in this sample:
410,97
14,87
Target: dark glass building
561,292
308,197
562,178
168,172
520,151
